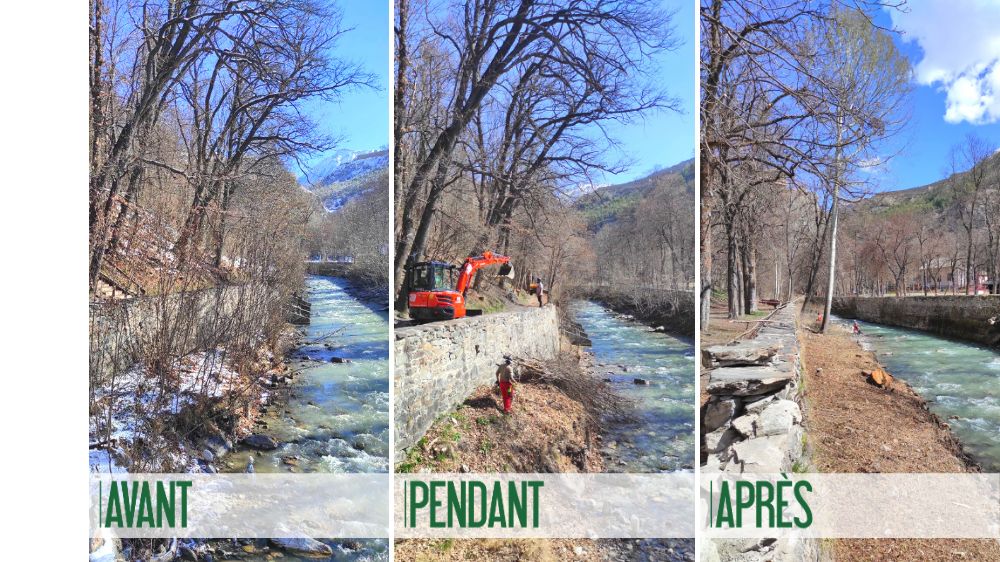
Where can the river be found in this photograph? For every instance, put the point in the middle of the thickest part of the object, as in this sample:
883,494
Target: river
337,416
959,380
662,436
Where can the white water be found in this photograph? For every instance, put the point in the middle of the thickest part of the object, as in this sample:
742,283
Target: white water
337,419
959,380
662,438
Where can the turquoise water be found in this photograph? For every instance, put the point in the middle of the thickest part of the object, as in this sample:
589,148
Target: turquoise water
662,436
337,417
959,380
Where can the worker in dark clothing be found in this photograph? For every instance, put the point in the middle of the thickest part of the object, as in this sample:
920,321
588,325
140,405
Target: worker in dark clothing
505,380
539,290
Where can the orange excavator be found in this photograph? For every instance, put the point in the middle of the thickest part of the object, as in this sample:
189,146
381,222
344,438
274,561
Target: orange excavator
430,292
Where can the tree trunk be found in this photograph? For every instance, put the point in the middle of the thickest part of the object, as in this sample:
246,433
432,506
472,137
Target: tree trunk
732,276
750,276
834,215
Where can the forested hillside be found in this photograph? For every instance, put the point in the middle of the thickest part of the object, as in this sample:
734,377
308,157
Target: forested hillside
606,204
643,230
352,220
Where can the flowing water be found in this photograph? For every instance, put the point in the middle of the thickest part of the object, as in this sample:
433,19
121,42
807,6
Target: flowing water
959,380
662,436
337,416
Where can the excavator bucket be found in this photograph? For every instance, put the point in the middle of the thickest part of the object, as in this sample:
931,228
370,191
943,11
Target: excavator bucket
506,271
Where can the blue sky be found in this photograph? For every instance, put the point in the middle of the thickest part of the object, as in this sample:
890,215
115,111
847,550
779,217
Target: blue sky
665,138
954,48
361,118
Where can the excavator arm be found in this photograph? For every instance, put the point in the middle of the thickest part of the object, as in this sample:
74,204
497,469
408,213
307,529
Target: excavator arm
473,264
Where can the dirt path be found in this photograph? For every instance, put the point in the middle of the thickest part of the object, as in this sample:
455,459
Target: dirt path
854,426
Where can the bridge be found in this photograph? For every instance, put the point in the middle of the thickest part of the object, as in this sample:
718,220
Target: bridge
328,268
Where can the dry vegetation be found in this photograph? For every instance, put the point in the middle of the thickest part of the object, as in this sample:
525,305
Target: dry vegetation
855,426
495,550
553,425
196,223
360,229
548,550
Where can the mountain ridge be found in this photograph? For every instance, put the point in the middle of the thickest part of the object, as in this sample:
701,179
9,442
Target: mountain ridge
607,204
345,175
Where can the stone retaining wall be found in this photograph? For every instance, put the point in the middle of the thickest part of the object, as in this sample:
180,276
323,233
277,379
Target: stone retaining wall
752,423
438,365
973,318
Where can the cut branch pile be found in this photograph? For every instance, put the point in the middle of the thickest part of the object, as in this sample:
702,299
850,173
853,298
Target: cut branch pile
565,373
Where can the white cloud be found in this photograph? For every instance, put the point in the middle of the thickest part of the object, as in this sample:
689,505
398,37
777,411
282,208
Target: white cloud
875,165
961,54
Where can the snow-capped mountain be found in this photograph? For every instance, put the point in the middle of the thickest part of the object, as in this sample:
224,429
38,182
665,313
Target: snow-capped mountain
346,175
344,165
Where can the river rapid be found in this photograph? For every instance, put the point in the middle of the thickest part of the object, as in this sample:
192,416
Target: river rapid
959,380
661,438
336,418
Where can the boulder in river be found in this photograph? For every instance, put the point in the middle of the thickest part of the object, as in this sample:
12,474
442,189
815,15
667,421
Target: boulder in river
261,441
637,380
339,360
307,547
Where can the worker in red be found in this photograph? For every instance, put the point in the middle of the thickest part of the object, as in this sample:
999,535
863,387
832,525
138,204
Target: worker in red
505,380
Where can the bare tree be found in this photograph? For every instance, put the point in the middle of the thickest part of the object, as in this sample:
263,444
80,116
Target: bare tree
968,182
585,44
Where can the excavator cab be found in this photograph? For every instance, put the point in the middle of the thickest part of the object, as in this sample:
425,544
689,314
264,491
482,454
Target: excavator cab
436,290
432,276
431,292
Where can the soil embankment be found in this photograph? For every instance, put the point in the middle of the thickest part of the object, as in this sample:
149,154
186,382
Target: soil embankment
546,432
855,426
541,550
673,311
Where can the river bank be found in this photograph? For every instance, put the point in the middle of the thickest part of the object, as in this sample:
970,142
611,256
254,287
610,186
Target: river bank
335,417
666,311
325,409
546,431
854,426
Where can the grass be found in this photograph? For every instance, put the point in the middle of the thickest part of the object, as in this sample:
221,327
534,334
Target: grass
413,458
451,433
486,420
445,545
